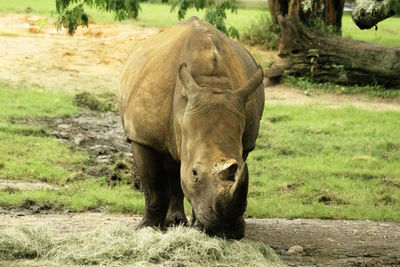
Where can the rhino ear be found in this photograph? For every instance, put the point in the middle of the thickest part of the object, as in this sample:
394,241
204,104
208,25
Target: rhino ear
189,84
251,85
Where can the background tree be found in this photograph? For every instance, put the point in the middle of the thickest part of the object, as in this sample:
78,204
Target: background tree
326,57
319,56
311,12
71,13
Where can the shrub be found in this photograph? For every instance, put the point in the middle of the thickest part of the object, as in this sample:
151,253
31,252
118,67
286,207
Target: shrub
263,31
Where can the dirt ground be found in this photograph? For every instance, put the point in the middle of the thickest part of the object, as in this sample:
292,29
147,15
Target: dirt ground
91,61
299,242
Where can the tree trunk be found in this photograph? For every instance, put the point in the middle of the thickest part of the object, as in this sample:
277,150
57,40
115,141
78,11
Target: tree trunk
329,11
334,12
367,13
278,7
334,59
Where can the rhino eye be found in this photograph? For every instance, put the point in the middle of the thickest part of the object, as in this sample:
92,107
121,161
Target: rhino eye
195,177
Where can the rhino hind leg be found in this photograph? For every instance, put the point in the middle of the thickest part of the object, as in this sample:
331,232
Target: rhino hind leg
176,213
149,163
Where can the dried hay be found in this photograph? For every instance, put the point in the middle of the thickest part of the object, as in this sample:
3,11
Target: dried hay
119,245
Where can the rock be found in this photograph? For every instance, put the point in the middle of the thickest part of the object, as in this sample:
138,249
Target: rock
295,250
65,126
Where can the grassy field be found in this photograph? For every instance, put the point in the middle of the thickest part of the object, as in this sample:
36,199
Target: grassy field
309,87
310,162
30,153
326,163
158,15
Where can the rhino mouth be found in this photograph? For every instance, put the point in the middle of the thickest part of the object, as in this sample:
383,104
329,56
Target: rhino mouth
234,229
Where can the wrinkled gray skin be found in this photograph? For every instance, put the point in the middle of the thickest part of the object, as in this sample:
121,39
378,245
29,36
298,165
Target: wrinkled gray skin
191,103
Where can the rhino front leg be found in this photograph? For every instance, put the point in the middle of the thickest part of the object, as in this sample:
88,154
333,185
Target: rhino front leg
176,213
149,164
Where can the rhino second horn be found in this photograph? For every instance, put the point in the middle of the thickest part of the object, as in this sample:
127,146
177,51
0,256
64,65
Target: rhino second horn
235,202
251,85
189,84
241,185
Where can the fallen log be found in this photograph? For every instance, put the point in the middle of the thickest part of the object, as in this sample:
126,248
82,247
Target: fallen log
330,58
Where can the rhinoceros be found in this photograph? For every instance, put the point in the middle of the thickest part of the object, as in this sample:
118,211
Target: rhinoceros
191,101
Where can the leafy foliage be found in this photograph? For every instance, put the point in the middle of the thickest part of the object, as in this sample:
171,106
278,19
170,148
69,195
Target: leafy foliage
216,15
314,19
396,6
215,12
263,31
71,13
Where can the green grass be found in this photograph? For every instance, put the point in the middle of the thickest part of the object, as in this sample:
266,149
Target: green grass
310,162
28,151
79,196
387,34
314,162
38,7
158,15
152,15
19,102
310,87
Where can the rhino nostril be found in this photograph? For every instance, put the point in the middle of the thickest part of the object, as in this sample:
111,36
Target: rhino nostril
194,172
233,168
228,170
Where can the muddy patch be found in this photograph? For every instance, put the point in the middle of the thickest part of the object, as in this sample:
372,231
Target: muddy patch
101,135
329,242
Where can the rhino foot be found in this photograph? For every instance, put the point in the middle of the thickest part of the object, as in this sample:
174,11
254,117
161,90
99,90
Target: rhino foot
176,218
148,222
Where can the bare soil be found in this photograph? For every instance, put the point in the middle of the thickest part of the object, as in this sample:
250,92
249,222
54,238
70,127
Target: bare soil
323,242
91,61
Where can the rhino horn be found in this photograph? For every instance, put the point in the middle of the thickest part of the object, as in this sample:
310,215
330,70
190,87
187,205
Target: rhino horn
189,84
251,85
239,189
234,202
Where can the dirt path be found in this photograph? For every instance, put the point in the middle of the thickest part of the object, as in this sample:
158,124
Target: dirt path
92,59
323,242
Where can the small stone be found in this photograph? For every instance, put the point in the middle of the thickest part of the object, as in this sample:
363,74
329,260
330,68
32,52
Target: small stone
65,126
295,250
104,159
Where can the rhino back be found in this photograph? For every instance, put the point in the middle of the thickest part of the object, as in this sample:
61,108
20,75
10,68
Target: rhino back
147,85
150,99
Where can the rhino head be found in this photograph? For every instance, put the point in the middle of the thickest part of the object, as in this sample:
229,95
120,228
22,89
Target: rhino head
214,176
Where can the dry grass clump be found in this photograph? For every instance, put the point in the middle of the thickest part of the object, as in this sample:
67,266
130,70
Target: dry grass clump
25,243
119,245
